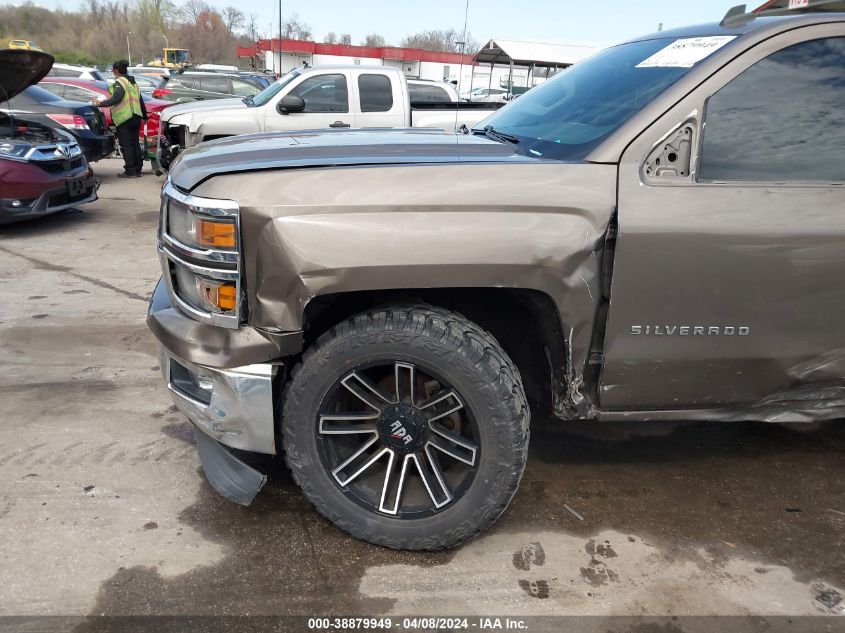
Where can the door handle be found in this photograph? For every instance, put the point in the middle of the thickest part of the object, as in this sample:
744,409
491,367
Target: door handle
339,124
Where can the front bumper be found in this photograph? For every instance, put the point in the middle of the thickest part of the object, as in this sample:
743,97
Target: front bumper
232,404
221,380
51,200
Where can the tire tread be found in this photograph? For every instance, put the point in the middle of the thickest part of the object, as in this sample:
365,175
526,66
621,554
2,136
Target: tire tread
448,330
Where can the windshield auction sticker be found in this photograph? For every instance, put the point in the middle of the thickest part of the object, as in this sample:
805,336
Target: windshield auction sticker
686,52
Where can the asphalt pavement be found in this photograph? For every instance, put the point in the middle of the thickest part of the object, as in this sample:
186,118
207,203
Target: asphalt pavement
104,508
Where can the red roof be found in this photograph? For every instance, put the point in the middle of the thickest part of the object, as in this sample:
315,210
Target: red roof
346,50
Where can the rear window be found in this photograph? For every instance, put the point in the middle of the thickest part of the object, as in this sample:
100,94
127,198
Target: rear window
61,72
34,94
427,93
376,93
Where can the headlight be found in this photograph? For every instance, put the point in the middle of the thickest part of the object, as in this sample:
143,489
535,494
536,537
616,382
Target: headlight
200,231
200,257
14,150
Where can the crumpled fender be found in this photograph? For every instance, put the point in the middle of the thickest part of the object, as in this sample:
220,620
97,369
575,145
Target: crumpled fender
536,226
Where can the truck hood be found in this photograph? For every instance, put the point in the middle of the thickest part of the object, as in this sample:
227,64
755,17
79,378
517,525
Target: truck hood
204,106
325,148
20,69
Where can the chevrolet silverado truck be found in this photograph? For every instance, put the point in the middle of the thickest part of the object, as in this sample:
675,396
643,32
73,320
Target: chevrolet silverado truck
313,98
657,233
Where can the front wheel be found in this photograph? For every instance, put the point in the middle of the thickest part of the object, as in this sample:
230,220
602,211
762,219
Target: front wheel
407,427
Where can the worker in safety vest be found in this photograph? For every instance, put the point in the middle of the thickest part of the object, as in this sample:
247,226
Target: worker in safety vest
128,113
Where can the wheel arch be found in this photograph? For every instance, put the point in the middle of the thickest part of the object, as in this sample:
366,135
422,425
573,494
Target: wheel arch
526,324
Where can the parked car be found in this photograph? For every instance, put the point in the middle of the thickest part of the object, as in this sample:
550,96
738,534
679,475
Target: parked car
28,45
262,81
153,71
216,68
85,122
84,90
146,83
195,86
486,94
656,233
80,72
42,169
312,98
428,91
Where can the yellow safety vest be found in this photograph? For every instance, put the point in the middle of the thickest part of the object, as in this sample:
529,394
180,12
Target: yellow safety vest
129,105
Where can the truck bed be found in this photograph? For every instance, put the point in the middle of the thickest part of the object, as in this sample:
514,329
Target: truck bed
451,115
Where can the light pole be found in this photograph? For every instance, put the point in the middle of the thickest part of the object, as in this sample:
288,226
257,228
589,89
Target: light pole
128,52
280,39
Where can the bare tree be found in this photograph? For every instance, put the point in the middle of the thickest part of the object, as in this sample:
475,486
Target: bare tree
252,27
330,38
295,29
345,38
449,40
373,39
193,9
95,33
233,18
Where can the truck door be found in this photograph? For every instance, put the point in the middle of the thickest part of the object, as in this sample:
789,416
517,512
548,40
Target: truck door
727,290
381,102
327,104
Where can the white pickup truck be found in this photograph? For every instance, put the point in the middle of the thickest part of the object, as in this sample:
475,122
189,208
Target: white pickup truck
314,98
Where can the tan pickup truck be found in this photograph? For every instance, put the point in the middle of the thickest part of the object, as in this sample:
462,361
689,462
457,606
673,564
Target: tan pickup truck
657,233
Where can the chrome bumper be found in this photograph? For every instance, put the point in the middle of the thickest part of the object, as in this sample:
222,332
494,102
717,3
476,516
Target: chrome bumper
233,406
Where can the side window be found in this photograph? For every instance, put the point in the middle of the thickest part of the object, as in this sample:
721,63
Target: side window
56,89
214,84
182,82
324,93
423,93
244,89
74,93
780,120
376,93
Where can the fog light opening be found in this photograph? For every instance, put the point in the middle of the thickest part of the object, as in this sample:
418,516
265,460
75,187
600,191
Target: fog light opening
189,383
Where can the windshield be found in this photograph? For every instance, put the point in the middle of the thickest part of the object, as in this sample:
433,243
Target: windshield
569,115
177,56
273,89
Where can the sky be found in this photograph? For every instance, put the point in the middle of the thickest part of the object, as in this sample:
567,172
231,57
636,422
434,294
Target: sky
600,22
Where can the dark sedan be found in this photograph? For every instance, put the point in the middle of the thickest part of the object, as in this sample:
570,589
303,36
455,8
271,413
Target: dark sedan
85,122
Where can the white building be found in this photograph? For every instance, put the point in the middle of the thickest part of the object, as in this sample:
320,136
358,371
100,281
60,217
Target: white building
500,63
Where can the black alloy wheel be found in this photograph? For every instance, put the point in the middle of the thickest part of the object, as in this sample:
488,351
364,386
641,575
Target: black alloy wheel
398,440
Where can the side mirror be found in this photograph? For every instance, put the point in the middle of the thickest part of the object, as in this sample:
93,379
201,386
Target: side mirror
290,103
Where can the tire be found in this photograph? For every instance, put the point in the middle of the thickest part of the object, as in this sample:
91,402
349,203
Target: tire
450,489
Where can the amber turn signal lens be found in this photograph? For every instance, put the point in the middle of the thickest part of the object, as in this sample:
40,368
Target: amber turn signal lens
216,234
221,296
226,297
